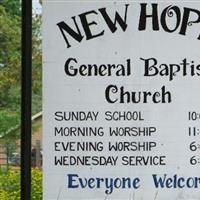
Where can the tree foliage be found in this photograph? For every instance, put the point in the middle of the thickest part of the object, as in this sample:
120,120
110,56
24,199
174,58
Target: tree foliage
10,185
10,58
11,7
9,55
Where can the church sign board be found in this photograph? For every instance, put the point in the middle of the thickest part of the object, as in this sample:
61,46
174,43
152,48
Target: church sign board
121,100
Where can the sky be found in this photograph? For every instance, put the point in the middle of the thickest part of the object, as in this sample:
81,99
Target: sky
37,7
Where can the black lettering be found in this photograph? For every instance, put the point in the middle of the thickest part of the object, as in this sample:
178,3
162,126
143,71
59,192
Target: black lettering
144,16
118,18
65,27
86,25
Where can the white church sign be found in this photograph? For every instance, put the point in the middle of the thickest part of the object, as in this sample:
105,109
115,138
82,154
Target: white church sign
121,100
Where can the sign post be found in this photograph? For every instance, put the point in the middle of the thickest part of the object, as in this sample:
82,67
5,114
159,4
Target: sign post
121,100
26,100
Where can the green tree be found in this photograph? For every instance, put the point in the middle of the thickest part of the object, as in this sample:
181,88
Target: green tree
10,60
9,55
11,7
